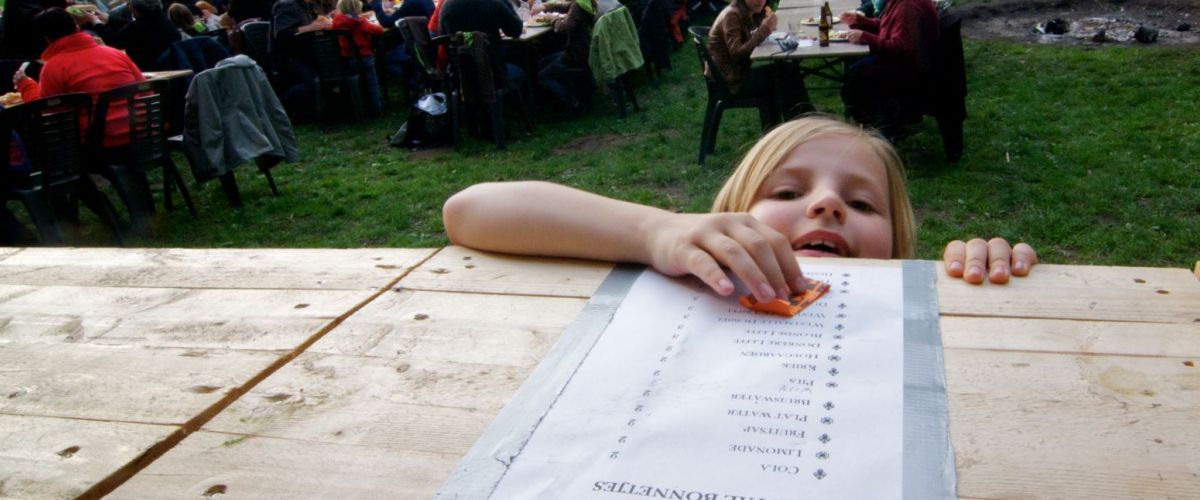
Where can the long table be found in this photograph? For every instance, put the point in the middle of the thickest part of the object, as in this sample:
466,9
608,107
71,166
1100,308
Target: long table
368,373
792,14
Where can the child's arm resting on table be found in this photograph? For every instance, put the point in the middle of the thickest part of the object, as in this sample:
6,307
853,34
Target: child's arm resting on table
540,218
994,257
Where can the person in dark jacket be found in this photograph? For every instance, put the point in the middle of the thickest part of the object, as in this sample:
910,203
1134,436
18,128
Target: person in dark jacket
554,69
297,75
492,17
18,38
148,36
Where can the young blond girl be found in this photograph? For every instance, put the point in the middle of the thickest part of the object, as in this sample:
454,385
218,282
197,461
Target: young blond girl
813,187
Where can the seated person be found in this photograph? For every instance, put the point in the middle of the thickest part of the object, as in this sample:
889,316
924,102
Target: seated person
554,69
738,29
18,38
149,35
183,19
243,10
75,62
397,63
349,18
298,90
488,16
886,88
871,8
209,16
812,187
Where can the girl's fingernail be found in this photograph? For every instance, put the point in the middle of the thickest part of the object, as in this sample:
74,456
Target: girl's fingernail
975,272
956,267
725,286
767,292
1019,266
800,285
782,293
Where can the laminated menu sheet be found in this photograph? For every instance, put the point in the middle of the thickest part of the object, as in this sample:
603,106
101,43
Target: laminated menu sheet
681,393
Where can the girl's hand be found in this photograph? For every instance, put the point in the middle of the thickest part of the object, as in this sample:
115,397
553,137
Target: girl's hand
700,244
771,21
849,18
971,260
854,36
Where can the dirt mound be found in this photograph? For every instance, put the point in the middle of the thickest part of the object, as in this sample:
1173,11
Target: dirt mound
1084,21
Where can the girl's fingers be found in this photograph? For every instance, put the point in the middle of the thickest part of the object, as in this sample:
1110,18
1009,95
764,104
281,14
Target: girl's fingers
765,246
954,258
1023,259
785,257
975,265
703,266
730,252
999,255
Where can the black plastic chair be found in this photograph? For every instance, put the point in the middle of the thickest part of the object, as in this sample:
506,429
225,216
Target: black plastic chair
336,74
423,51
256,42
469,75
144,102
721,98
51,133
943,94
948,101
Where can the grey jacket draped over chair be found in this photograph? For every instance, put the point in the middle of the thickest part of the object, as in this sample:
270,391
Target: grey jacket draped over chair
233,116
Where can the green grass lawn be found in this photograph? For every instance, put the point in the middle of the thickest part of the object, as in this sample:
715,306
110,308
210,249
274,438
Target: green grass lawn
1089,154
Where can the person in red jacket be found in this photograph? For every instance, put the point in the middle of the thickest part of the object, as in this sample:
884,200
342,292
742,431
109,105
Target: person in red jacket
885,87
349,17
74,62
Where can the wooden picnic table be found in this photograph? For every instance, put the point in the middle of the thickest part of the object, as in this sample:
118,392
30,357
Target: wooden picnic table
368,373
793,13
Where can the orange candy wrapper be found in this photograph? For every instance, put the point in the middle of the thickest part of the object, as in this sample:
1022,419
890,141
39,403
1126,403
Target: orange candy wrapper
789,307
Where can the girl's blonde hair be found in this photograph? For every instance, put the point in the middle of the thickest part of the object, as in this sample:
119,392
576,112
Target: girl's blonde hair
351,7
741,189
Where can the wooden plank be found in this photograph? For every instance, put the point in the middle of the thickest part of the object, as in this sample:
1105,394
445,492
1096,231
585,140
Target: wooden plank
119,383
208,463
1072,336
330,416
459,269
1028,425
325,269
422,392
461,328
1079,292
164,317
399,404
61,458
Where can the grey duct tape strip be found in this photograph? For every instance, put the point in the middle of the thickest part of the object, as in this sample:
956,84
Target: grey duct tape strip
486,462
928,457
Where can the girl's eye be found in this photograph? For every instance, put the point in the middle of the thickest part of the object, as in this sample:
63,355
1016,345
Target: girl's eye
786,195
861,206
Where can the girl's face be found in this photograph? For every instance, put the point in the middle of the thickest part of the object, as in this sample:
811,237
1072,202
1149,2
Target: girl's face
756,6
829,197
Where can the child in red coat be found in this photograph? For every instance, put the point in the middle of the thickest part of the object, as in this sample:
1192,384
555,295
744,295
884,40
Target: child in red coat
362,30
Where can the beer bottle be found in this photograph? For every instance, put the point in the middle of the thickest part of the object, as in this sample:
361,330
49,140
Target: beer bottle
826,24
